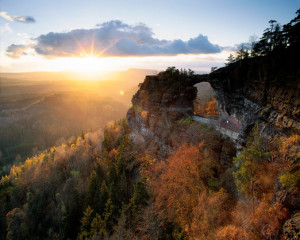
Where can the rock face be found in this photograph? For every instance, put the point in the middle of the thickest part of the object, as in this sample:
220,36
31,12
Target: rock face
161,101
291,228
263,89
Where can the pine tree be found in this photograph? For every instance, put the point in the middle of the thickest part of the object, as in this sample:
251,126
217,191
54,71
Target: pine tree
230,59
107,142
92,188
103,196
108,215
98,227
140,195
86,224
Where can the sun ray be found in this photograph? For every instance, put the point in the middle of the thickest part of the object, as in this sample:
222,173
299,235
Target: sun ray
92,45
82,53
105,49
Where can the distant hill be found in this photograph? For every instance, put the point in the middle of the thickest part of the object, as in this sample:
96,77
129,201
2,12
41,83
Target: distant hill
131,76
41,109
12,85
32,123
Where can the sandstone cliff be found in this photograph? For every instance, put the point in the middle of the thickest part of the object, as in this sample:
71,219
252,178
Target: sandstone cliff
263,89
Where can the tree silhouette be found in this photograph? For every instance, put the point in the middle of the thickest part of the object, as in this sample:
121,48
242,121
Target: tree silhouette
274,38
230,59
242,52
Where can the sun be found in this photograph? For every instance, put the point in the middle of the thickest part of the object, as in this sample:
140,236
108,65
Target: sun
89,64
88,67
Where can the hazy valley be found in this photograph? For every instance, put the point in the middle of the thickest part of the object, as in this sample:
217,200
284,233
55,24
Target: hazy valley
37,112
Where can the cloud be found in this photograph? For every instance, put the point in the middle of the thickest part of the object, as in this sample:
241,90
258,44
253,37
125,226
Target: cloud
16,51
115,38
24,19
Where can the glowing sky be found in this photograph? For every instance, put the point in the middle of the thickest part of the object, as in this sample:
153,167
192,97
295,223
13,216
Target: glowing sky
94,35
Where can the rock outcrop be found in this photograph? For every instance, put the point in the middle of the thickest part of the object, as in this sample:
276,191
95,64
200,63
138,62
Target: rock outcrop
291,228
160,101
262,90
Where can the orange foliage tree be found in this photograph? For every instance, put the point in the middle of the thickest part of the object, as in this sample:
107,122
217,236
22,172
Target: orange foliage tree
212,109
231,232
183,189
206,108
211,212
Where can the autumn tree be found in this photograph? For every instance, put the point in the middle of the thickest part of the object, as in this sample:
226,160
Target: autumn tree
285,156
211,212
187,173
212,109
231,232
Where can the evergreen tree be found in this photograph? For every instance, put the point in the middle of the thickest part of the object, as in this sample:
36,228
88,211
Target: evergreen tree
212,69
242,53
250,166
230,59
86,224
93,187
107,142
98,227
140,195
108,215
104,195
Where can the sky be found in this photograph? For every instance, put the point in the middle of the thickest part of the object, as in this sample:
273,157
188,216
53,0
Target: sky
96,35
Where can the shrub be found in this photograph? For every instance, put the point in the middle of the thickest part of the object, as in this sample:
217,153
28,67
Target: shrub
290,180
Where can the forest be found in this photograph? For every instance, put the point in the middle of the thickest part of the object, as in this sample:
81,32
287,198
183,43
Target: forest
104,185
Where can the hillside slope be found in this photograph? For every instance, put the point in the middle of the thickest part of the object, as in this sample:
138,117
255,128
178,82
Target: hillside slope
34,123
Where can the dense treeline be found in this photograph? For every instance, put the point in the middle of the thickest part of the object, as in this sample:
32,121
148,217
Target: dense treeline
98,186
104,186
275,39
76,190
